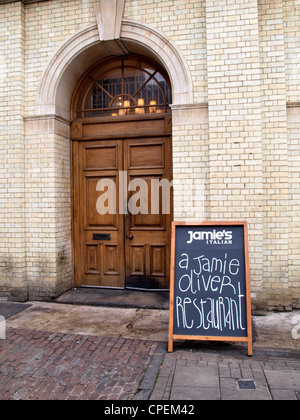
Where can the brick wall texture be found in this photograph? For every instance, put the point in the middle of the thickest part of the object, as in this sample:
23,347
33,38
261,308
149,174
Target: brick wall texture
236,147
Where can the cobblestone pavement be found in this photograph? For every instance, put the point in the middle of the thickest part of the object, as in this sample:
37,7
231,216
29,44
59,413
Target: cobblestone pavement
37,365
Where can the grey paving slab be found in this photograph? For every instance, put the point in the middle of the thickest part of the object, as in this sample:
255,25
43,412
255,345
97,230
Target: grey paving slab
284,395
283,380
199,377
230,391
182,393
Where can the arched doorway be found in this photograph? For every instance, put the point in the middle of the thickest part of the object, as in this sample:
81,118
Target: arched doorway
121,175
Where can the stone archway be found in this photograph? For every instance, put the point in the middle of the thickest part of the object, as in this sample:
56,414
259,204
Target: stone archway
84,49
117,137
51,124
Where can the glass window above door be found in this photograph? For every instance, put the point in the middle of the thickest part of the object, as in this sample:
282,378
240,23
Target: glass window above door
121,87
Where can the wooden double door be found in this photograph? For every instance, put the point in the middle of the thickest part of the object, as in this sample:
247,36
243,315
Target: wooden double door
122,212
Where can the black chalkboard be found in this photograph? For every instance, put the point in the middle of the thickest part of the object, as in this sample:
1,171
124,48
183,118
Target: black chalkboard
210,286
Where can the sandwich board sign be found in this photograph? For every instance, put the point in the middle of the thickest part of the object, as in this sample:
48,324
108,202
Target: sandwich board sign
210,283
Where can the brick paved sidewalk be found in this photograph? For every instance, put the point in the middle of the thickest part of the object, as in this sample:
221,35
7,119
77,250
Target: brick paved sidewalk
44,365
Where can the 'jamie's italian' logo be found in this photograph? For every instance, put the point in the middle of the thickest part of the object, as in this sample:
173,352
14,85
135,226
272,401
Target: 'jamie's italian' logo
221,237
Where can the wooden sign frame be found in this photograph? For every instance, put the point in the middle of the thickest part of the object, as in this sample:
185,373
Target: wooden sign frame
173,336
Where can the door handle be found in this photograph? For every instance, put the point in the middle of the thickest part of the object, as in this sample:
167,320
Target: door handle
130,237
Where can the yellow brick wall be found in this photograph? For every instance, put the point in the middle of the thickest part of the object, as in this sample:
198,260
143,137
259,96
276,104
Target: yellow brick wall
12,211
275,151
47,26
236,152
291,18
183,22
235,133
190,171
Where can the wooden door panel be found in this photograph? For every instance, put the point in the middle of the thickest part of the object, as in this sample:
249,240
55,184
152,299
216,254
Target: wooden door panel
119,129
141,156
101,157
100,249
92,259
113,249
148,221
93,219
141,222
158,261
111,259
137,258
147,261
146,161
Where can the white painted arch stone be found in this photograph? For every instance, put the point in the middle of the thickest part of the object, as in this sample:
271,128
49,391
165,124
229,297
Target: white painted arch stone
84,49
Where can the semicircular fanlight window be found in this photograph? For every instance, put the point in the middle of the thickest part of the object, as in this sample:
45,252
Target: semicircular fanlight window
124,87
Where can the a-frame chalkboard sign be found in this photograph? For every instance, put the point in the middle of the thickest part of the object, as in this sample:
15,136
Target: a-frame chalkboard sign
210,283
